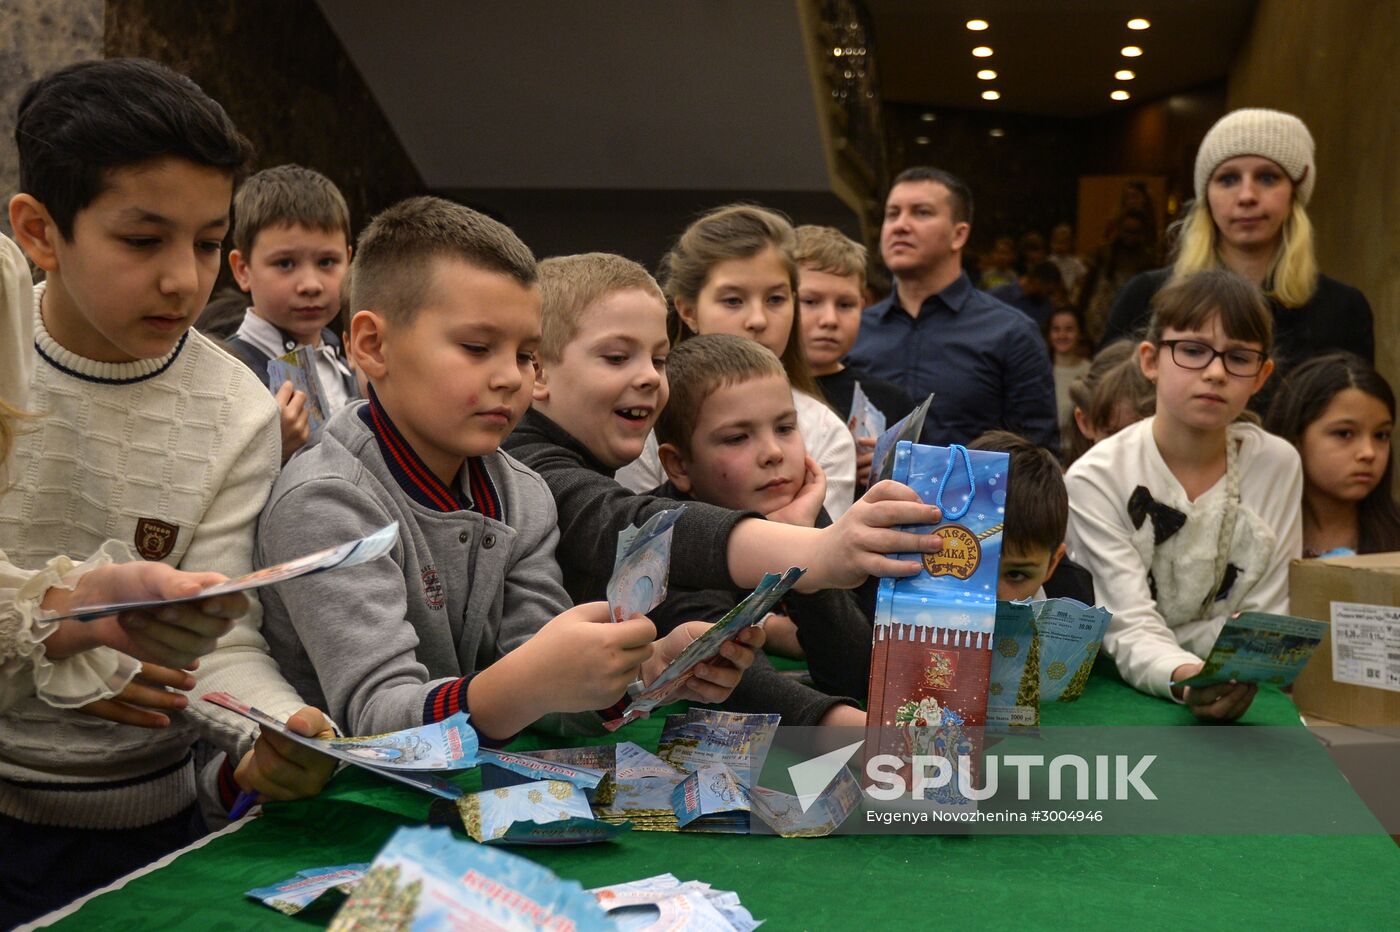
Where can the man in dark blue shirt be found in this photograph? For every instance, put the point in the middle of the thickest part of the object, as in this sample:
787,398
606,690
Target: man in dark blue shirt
985,362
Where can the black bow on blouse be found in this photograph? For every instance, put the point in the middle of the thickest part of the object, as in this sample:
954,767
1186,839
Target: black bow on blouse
1166,520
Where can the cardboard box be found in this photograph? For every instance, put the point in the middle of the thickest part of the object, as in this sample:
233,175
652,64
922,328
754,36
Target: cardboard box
1359,597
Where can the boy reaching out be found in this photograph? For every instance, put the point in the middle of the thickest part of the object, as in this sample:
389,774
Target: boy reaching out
467,613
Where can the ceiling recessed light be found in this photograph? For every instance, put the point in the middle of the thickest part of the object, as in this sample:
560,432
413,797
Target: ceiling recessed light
1124,75
1138,23
1131,51
928,117
991,95
1120,94
987,74
982,51
977,25
921,140
996,133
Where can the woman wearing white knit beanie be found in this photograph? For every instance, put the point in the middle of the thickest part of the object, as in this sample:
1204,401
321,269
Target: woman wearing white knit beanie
1255,173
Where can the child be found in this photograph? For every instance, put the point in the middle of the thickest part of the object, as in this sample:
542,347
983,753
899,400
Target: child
733,271
291,237
600,388
467,613
144,433
1111,395
1190,516
831,282
729,437
1069,353
1340,412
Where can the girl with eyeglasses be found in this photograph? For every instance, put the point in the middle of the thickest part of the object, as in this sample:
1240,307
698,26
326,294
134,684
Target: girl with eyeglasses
1190,515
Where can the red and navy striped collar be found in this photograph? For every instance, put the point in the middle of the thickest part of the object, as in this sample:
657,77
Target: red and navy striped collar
418,481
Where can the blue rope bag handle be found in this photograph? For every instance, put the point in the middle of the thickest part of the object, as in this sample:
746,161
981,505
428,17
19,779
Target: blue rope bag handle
954,449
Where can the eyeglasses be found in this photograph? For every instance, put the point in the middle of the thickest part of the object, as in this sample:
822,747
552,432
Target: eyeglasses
1192,354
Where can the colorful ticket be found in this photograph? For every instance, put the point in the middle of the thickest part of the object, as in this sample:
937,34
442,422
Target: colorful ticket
332,558
642,565
294,895
299,368
1255,647
737,740
908,428
866,422
545,812
663,902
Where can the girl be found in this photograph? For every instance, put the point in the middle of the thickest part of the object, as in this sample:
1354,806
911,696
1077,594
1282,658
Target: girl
1191,515
1069,352
733,271
1112,394
1254,174
1339,412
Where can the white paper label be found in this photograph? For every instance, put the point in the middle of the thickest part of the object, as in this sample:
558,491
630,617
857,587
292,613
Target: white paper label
1366,645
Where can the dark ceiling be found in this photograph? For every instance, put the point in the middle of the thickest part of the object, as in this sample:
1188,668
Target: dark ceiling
1052,57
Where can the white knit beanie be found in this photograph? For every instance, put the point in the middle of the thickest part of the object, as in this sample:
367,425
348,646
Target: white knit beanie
1275,135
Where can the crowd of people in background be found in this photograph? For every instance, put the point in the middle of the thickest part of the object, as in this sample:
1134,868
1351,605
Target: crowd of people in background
1178,434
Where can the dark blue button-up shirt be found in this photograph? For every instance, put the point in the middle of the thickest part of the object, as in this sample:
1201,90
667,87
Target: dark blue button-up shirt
984,361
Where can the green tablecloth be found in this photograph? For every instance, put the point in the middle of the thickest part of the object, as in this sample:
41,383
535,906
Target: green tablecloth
889,882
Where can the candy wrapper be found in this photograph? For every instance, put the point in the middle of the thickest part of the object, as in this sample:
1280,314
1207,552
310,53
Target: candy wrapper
426,879
504,768
545,812
932,655
663,903
340,557
907,428
737,740
642,565
294,895
299,368
753,610
1255,647
866,422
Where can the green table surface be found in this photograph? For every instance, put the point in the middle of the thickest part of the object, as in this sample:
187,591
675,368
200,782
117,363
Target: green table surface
888,882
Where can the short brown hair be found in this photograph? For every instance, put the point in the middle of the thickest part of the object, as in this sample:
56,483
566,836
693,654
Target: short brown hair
1037,504
287,195
569,284
700,366
1114,378
1188,302
393,258
827,249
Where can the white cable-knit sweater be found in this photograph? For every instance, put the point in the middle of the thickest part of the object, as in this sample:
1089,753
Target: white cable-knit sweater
1151,635
174,456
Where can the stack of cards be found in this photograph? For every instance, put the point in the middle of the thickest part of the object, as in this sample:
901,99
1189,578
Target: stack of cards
737,740
663,902
294,895
712,800
425,879
644,786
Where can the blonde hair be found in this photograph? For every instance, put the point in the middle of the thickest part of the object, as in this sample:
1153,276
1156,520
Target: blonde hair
736,231
569,284
1292,276
698,368
827,249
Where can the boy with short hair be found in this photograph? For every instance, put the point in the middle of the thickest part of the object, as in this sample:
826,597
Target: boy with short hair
291,237
728,436
467,612
830,293
147,434
1037,513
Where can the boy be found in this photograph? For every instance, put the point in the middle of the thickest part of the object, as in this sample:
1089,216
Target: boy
467,613
1037,513
831,285
600,387
147,434
291,237
728,436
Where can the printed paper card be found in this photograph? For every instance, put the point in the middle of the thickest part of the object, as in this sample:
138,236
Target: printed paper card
753,610
299,368
424,879
907,428
1256,647
738,740
544,812
643,792
663,903
1013,692
866,422
1069,634
642,565
404,756
534,767
294,895
932,655
341,557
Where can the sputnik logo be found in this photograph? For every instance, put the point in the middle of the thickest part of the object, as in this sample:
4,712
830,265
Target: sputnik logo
811,777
